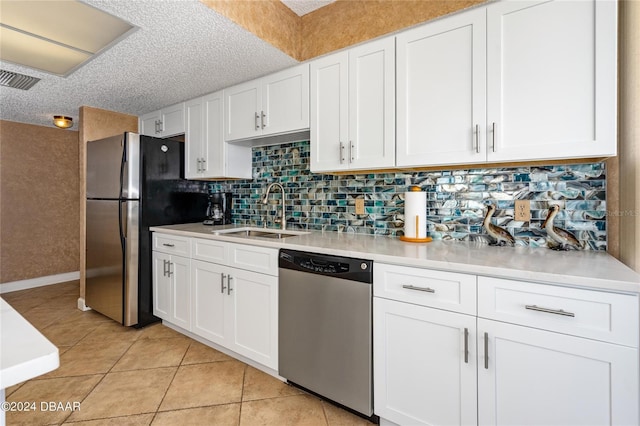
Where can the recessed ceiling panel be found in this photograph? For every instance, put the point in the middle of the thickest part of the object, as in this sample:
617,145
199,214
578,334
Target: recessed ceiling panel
67,22
40,54
56,36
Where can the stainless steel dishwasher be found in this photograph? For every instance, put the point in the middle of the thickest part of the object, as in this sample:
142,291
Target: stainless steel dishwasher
325,326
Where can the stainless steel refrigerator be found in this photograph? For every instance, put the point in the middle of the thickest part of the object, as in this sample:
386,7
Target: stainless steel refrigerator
133,182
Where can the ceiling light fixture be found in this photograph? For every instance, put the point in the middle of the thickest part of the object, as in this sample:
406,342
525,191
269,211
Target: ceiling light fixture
57,36
62,121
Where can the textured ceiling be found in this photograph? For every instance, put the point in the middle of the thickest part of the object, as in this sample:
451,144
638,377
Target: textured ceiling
182,50
302,7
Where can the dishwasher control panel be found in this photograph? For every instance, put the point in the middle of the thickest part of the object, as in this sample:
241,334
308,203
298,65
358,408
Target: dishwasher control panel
315,263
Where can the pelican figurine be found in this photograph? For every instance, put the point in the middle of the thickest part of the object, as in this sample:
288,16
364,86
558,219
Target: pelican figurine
564,240
500,235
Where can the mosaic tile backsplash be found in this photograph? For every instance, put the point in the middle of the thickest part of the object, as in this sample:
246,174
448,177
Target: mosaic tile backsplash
456,199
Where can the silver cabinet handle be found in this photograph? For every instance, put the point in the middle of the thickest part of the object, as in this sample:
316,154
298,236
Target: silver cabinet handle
493,136
222,286
164,267
168,245
198,168
341,152
486,351
229,289
257,123
477,137
412,287
262,117
352,150
203,163
158,130
550,311
466,346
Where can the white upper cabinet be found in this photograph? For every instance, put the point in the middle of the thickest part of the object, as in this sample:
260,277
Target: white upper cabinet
196,149
275,104
166,122
353,108
441,91
513,81
208,156
551,79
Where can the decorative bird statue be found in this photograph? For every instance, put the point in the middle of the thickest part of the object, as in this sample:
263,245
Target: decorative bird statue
564,240
500,235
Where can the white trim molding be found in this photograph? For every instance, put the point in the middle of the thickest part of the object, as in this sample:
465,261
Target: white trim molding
82,305
38,282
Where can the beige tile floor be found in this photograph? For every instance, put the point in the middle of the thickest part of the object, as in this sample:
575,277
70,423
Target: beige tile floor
149,376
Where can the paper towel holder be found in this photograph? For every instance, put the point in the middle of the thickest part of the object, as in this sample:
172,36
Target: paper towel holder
415,188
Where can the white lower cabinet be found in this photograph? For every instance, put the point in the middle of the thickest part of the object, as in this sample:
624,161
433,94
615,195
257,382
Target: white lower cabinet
171,289
424,364
541,354
223,292
532,377
208,301
236,309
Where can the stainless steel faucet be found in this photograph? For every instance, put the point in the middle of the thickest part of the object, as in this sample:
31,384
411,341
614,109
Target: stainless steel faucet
283,221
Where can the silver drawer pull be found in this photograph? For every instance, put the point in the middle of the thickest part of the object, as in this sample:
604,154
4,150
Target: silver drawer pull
168,245
412,287
549,311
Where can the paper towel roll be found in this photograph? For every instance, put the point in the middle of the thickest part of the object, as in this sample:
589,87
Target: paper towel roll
415,214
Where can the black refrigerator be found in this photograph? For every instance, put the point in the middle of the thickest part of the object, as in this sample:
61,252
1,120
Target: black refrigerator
133,182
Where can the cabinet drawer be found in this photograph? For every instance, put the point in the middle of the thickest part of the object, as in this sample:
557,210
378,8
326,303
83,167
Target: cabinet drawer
209,250
171,244
444,290
610,317
253,258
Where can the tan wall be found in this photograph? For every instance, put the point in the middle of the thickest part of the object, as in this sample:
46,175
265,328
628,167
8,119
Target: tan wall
95,124
347,22
338,25
629,133
40,202
270,20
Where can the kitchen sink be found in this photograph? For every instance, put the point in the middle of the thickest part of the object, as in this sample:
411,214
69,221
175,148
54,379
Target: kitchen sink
259,232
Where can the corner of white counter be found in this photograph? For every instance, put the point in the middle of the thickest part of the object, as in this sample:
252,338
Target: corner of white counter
24,352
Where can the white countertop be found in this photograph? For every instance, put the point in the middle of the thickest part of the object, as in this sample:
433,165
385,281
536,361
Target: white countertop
590,269
24,352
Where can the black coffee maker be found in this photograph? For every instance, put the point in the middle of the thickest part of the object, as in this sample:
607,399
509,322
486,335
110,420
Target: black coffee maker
219,209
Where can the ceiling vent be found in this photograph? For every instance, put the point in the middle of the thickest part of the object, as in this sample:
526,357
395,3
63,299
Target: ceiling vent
17,81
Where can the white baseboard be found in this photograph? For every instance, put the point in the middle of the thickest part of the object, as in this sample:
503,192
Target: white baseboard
81,305
38,282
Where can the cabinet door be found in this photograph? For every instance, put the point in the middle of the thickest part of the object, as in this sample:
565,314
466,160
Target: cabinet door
424,365
254,317
173,120
213,150
194,139
180,276
285,101
372,142
161,286
441,72
551,79
528,376
329,112
209,301
242,118
150,124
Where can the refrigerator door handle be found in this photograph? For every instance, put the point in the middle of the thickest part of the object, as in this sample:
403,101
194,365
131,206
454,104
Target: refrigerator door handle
123,168
123,220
